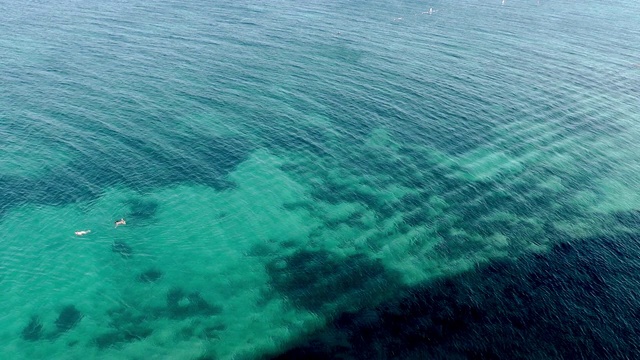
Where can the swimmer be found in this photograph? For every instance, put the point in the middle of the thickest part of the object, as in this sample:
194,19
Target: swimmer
121,222
82,232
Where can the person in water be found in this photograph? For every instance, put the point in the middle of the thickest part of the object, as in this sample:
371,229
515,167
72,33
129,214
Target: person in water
82,232
121,222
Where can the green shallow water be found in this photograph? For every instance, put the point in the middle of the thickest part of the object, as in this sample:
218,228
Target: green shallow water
281,164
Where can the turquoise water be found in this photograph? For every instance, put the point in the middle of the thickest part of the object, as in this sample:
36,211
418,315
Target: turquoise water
281,163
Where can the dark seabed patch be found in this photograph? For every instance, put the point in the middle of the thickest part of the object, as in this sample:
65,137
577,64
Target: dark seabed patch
578,301
141,209
122,248
630,218
261,249
130,324
181,305
68,318
127,324
311,279
33,330
150,276
120,337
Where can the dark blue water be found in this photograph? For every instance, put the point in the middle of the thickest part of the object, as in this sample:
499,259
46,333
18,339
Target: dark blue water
388,180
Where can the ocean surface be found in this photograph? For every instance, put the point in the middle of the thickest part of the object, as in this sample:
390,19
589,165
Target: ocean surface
320,179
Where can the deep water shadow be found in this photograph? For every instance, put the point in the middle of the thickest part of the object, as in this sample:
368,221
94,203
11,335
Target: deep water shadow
143,168
578,301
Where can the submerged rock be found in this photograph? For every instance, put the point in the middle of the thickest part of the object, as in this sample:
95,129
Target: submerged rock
69,317
33,330
122,248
